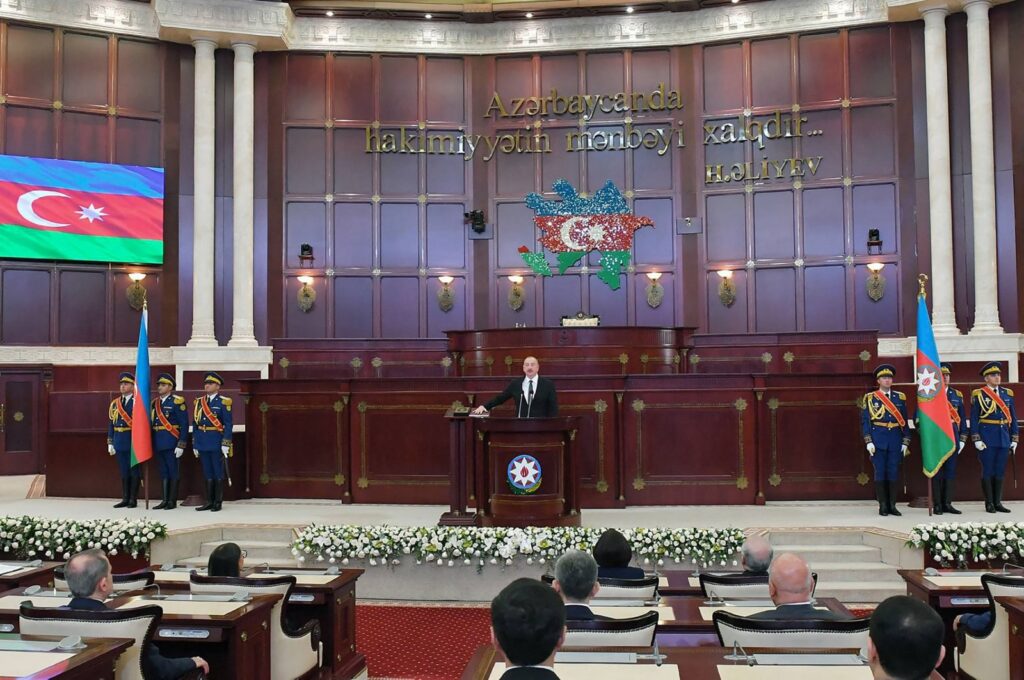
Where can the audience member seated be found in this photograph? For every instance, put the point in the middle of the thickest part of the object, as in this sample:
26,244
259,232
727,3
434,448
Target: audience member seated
790,585
613,555
225,560
756,557
91,582
576,581
528,626
905,640
976,624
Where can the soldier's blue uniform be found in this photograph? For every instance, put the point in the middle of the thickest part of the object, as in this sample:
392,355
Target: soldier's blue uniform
171,424
942,482
120,413
889,433
994,433
212,432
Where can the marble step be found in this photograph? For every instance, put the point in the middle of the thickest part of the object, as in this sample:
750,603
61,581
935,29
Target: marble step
860,592
792,538
814,554
876,572
255,550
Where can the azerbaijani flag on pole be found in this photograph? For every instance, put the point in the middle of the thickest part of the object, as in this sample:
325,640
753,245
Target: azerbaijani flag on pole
934,423
76,210
142,428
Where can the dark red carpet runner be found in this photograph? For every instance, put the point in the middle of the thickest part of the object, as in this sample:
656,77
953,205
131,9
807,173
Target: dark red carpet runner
420,642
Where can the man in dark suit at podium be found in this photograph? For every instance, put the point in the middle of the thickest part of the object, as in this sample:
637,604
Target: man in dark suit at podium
534,396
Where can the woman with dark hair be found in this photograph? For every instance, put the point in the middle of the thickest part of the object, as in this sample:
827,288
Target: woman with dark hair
613,554
225,560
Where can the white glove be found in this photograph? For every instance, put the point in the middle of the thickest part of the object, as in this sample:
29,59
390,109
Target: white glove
961,448
980,445
1013,447
178,451
110,449
871,449
195,453
912,424
906,450
224,450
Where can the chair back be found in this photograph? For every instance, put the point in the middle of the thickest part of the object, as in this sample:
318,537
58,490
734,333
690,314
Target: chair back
291,653
637,631
122,582
779,634
744,586
986,655
629,588
137,624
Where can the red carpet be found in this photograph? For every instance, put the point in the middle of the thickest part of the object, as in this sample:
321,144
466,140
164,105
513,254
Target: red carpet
420,642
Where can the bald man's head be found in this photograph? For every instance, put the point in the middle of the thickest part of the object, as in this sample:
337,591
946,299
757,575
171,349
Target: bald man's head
757,555
789,580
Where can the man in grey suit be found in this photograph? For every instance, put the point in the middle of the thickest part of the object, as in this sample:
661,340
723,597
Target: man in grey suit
791,586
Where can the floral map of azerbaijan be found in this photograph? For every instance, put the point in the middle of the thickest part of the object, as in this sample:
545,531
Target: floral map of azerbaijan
574,226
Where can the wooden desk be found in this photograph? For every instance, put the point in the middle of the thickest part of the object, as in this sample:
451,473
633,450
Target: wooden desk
330,599
677,583
699,663
685,626
236,643
1014,606
28,576
95,662
950,601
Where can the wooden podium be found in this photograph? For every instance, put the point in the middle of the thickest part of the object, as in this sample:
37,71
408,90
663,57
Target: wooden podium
483,449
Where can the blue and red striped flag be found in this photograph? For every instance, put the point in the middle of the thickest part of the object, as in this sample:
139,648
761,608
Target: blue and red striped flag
933,420
142,428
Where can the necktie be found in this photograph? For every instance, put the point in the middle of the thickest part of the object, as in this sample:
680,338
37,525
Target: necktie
529,395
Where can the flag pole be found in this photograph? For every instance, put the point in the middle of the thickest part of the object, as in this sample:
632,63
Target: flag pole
145,467
922,281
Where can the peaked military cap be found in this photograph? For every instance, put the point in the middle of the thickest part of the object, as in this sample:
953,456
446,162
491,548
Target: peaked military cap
885,370
127,377
166,379
947,368
213,377
992,368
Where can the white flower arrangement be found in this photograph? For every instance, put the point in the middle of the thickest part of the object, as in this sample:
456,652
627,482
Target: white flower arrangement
448,546
960,543
29,537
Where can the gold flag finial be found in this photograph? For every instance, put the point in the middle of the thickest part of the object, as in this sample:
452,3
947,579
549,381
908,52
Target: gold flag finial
922,281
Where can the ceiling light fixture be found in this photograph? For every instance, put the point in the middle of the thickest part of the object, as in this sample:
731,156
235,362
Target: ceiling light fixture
629,10
529,15
329,13
428,16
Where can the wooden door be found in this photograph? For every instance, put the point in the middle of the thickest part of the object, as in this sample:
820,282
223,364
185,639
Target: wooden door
19,423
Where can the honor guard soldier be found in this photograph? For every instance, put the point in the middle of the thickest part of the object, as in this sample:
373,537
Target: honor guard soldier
211,438
170,436
994,433
942,482
119,440
886,436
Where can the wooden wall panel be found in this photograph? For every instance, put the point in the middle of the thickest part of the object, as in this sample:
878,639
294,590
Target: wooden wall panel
82,307
29,61
137,89
25,309
84,69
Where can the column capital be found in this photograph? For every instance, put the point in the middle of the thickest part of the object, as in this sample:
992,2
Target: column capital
975,6
204,45
243,49
935,13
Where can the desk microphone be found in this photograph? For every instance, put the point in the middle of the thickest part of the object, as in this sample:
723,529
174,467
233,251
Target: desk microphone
159,595
35,563
658,658
332,571
266,568
31,590
738,654
932,571
712,596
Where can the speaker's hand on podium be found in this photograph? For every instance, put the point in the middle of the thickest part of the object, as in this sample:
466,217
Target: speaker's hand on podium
480,411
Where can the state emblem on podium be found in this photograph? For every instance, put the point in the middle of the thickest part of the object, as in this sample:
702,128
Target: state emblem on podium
524,474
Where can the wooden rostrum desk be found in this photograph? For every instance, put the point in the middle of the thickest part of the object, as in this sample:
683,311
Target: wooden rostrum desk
94,661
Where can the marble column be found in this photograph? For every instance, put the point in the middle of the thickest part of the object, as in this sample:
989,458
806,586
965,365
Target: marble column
242,199
983,187
939,191
203,196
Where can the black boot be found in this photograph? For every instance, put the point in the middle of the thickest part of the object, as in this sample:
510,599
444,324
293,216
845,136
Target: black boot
997,495
172,495
208,505
218,495
883,502
937,496
947,497
164,489
133,490
891,495
986,488
124,493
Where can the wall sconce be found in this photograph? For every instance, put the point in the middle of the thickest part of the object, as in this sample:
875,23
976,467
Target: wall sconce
876,282
726,288
655,291
136,291
446,296
516,299
305,255
307,295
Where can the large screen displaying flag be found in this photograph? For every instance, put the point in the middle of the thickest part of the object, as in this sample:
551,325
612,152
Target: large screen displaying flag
74,210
